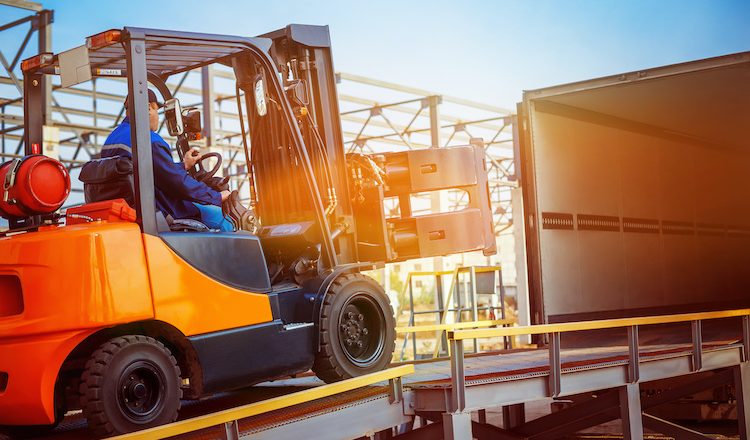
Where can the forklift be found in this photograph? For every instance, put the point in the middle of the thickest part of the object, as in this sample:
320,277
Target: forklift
113,308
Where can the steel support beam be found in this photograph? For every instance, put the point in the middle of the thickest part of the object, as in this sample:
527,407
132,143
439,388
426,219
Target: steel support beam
458,381
569,420
742,391
22,4
671,429
433,105
485,431
457,426
605,407
209,97
139,132
697,334
555,369
514,415
630,412
431,431
634,361
43,25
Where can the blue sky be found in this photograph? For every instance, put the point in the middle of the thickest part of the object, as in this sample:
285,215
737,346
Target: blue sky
483,50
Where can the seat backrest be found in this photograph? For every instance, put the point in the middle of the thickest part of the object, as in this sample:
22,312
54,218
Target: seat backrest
108,178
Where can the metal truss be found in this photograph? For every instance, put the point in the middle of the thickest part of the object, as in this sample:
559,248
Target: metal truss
11,93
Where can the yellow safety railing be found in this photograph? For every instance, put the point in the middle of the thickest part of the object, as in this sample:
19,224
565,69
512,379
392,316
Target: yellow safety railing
230,417
454,326
456,338
593,325
443,305
442,329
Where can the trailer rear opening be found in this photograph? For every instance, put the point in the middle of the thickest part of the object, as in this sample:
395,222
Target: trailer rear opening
636,192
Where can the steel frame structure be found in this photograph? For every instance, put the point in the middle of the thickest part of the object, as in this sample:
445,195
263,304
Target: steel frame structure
80,116
83,139
39,23
626,394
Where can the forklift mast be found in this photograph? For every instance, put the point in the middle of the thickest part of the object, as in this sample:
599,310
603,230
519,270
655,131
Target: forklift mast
355,204
302,54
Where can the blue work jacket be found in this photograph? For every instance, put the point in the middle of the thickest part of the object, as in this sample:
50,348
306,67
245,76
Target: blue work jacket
175,189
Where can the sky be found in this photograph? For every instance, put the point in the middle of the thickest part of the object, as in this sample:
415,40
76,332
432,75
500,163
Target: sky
488,51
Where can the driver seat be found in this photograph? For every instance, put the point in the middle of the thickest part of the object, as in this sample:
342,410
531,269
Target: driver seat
112,178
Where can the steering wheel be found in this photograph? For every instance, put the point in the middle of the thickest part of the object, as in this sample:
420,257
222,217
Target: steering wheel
203,175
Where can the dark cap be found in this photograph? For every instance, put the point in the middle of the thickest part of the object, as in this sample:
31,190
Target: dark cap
151,98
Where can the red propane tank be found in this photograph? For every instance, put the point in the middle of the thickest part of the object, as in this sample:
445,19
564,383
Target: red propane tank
33,185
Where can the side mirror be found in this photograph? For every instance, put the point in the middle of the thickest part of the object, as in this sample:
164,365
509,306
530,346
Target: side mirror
173,117
260,97
191,120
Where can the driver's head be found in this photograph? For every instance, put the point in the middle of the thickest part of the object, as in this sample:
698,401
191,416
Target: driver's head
153,116
153,109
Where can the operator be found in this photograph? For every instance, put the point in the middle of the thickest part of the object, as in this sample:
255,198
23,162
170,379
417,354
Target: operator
176,192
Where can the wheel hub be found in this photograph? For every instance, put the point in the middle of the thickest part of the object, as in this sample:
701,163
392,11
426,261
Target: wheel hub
140,391
360,330
354,330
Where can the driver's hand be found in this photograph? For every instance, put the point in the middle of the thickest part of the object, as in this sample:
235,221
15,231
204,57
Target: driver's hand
225,195
191,157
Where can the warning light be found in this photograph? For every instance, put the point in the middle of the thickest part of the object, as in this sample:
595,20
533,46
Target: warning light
36,148
37,61
104,39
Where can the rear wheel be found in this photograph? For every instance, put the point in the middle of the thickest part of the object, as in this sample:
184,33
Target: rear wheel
357,329
130,383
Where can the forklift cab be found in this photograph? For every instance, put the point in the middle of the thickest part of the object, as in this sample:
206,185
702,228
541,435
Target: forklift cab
149,58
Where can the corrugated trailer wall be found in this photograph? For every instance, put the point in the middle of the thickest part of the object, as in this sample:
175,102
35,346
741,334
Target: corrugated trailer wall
638,193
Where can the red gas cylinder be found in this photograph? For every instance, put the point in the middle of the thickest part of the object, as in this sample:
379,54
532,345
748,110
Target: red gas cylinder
33,185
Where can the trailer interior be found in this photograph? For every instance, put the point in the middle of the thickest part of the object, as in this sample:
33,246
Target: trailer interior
635,191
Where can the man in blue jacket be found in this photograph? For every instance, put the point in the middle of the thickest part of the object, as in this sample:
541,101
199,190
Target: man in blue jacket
176,192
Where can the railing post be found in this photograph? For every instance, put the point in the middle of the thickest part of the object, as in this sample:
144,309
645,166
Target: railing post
634,373
458,384
474,311
745,338
231,430
395,390
555,373
433,103
507,340
697,345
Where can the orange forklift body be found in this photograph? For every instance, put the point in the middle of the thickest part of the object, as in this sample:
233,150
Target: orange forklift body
76,280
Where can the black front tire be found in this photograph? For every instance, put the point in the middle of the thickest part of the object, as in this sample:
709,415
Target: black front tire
130,383
357,329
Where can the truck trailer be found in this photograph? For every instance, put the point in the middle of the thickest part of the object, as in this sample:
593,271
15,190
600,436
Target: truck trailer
635,192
